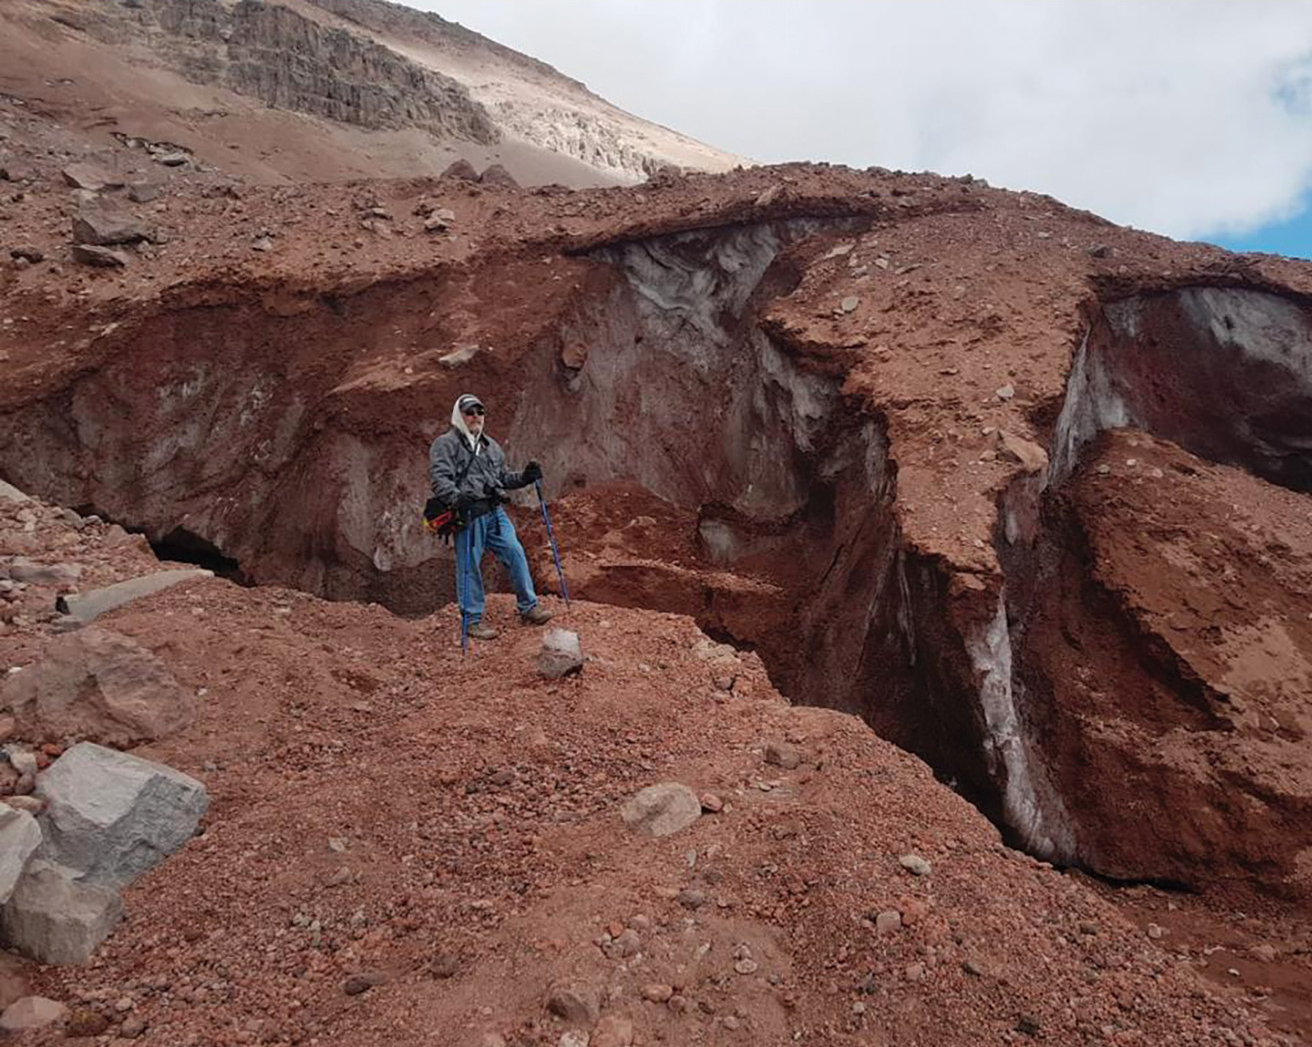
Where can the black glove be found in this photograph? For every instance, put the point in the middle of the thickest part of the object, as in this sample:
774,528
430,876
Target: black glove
532,473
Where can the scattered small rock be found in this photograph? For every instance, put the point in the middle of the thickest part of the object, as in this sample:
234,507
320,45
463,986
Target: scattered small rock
440,220
459,356
613,1031
712,803
572,1003
444,965
31,1012
888,921
781,754
1005,392
104,257
660,810
355,984
657,992
628,942
89,176
849,304
85,1022
915,865
107,226
560,655
27,253
691,898
1030,455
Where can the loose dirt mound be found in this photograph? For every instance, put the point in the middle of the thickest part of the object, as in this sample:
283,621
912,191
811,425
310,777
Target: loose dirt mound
411,846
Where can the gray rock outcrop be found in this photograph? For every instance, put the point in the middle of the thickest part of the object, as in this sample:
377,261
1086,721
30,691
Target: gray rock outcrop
111,816
278,55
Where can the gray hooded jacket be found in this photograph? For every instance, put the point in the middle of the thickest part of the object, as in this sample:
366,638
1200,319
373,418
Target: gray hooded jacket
487,478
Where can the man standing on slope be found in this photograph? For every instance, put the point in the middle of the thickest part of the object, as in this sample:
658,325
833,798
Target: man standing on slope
468,472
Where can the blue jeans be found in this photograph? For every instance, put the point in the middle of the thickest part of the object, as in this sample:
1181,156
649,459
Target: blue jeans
491,531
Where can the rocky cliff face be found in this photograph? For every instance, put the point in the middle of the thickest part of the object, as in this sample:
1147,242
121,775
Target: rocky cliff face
275,54
531,100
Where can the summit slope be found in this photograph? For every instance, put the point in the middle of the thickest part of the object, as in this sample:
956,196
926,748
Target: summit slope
296,90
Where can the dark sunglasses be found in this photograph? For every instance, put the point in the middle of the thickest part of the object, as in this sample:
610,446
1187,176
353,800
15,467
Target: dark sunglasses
473,410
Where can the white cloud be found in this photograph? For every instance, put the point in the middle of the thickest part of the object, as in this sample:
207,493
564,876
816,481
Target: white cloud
1186,117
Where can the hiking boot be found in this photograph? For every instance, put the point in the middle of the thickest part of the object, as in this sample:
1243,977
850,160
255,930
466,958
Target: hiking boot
538,616
479,631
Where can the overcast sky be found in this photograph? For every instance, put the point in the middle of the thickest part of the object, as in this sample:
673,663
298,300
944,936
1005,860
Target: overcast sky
1187,117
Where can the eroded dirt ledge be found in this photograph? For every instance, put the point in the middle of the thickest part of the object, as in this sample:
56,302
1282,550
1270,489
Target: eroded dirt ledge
854,405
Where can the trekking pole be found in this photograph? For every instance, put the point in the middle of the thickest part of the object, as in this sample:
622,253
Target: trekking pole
460,600
551,536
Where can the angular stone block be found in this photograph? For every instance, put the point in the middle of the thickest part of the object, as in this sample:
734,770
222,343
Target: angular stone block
112,816
53,918
105,227
88,606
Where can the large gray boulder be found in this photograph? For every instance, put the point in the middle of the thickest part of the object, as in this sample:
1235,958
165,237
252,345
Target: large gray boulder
20,836
97,684
111,816
53,918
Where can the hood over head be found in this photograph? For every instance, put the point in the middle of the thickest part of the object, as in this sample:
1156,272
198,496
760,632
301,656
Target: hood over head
458,419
